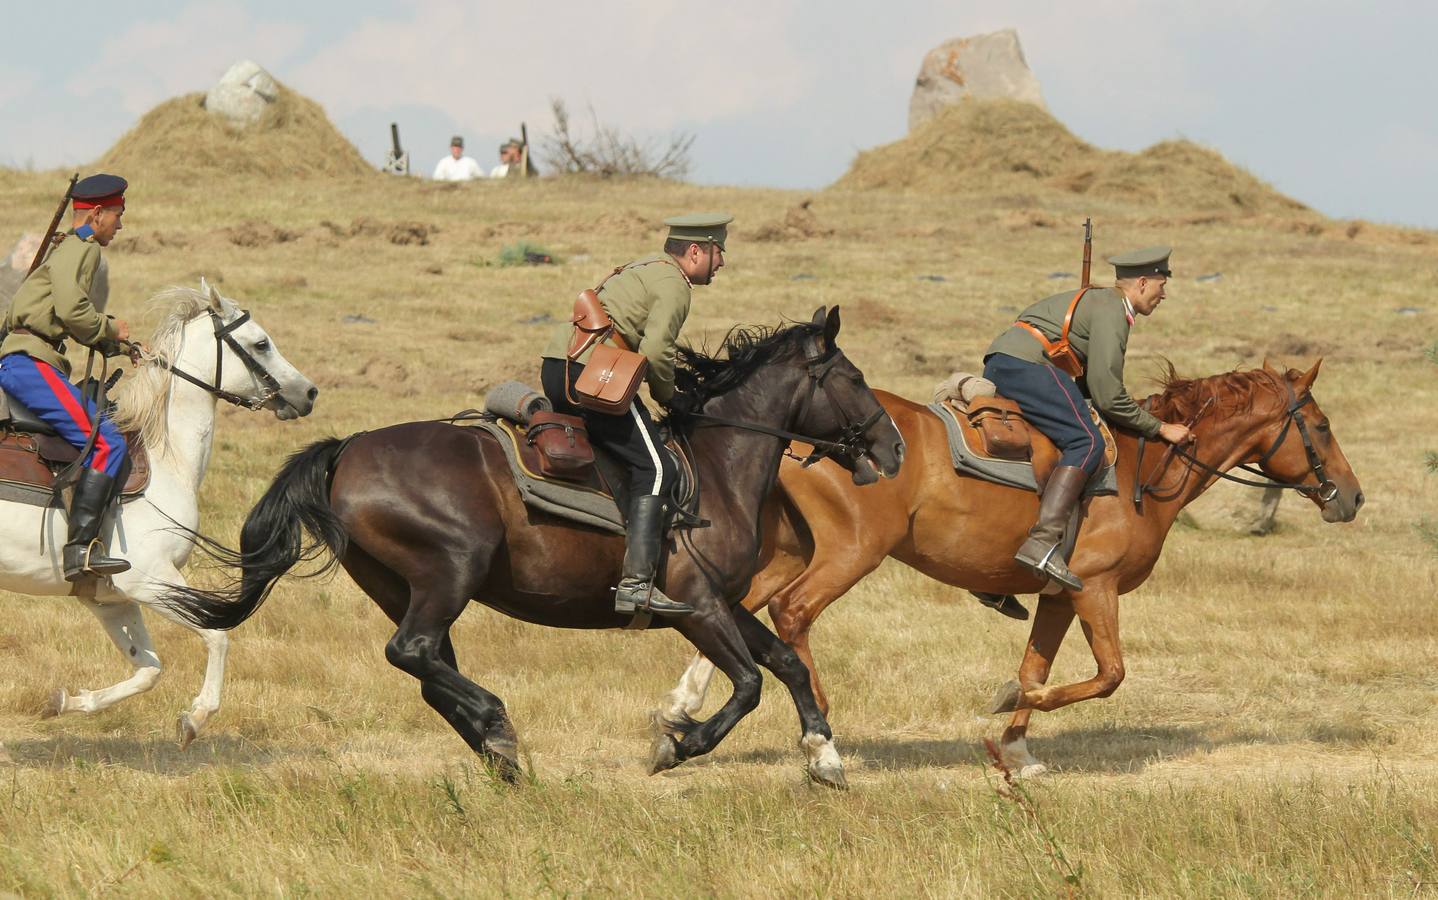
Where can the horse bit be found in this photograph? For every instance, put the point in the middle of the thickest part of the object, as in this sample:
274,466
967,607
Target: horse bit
1326,490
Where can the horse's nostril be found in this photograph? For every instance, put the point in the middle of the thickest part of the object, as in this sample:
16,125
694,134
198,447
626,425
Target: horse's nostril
1357,499
312,393
899,450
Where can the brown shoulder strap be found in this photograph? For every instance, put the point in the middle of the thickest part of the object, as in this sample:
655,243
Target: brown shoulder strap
600,286
1069,317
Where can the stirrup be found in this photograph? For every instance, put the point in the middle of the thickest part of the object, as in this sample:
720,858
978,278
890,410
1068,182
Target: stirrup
624,605
94,563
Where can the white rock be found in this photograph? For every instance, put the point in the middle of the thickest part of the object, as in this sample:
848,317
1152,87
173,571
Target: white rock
242,94
984,66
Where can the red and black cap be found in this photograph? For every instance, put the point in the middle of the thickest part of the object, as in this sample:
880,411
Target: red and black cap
99,190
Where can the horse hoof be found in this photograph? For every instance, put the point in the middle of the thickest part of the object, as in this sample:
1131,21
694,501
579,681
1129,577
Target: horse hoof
1006,699
186,732
1032,770
824,765
664,754
54,704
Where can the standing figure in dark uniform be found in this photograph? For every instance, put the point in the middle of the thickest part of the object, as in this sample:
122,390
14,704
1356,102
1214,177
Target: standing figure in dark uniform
65,298
648,302
1053,401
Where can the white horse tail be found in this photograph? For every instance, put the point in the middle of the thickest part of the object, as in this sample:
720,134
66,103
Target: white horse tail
293,522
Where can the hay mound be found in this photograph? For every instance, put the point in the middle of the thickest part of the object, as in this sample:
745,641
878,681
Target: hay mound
293,138
997,146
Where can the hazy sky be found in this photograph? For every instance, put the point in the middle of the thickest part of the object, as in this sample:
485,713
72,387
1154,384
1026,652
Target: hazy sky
1333,102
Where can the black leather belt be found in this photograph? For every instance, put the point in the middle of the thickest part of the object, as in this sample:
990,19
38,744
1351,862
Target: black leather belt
58,346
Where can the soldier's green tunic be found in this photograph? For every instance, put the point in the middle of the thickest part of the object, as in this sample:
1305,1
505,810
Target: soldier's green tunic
55,302
648,302
1099,334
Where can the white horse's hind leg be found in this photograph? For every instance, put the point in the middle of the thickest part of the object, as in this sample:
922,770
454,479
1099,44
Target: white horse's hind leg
127,630
207,701
687,698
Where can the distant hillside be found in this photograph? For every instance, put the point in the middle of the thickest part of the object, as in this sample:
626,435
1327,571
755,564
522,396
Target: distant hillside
989,145
180,138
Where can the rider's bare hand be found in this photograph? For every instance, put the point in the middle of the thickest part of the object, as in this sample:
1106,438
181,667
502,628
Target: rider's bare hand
1175,433
122,329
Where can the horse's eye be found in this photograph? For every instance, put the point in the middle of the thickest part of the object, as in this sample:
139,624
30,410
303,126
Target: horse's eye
264,347
1323,426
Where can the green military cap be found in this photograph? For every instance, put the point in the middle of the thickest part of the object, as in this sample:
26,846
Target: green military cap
1137,263
700,228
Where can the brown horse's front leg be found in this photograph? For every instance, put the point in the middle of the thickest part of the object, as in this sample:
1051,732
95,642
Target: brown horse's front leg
1051,623
1097,609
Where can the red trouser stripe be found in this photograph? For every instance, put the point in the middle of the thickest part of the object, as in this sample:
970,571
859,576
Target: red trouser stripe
61,388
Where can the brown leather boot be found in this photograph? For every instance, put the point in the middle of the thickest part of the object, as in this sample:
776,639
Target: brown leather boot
1041,553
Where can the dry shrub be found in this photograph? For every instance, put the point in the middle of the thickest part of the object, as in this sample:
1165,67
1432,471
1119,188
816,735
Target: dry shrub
1004,145
180,140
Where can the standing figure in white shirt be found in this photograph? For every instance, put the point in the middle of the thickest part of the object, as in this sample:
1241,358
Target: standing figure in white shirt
456,166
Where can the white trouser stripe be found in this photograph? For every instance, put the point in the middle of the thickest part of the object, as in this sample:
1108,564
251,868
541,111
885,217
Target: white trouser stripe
649,445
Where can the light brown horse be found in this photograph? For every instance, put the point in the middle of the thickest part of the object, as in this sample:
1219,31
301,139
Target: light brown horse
822,535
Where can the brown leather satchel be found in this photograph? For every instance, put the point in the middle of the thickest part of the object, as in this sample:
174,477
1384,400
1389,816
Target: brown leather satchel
563,442
613,373
1005,433
1060,353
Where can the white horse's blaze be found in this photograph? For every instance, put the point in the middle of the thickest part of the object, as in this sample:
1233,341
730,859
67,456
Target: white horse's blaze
178,422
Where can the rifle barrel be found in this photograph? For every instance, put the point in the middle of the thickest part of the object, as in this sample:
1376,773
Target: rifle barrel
45,241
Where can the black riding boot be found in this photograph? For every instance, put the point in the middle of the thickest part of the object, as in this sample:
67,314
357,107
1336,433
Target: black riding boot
1042,553
84,554
636,592
1007,604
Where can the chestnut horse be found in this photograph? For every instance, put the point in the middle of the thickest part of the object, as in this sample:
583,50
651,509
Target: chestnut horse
822,537
424,517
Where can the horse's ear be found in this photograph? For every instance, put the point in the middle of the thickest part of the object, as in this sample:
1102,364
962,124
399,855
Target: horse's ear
1268,367
831,326
1305,381
212,295
818,320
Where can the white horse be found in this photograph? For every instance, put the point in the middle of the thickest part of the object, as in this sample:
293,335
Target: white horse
199,356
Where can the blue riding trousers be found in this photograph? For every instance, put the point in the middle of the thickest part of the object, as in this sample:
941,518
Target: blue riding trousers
40,388
1052,402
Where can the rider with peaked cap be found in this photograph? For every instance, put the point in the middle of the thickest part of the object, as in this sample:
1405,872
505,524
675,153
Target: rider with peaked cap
648,301
1053,401
65,298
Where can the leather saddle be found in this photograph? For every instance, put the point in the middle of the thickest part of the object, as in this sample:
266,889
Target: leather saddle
993,428
32,454
564,457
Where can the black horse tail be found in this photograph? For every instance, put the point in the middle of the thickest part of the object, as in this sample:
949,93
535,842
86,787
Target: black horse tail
292,523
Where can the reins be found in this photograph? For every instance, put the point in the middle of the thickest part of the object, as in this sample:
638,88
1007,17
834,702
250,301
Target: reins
224,337
1326,490
849,445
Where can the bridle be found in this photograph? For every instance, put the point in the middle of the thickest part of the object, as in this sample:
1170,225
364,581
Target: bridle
819,364
224,337
1326,490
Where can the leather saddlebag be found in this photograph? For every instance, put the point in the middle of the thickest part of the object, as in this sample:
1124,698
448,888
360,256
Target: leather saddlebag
1005,433
612,375
563,442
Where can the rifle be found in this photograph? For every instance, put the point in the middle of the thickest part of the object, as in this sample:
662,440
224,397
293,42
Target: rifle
1087,250
523,150
48,240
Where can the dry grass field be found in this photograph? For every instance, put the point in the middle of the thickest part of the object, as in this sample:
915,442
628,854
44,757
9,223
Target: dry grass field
1274,737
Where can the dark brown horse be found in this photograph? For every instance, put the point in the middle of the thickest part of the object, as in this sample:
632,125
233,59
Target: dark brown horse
424,516
821,536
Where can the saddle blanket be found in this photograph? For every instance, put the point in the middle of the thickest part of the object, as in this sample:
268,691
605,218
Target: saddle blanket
970,460
587,504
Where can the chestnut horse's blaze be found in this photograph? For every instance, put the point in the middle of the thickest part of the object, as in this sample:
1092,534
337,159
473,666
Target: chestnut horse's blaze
822,536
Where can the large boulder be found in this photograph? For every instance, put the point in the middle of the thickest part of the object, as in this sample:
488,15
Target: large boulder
242,94
986,66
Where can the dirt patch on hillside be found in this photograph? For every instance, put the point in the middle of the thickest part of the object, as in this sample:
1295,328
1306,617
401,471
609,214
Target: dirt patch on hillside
180,139
258,234
799,223
1011,147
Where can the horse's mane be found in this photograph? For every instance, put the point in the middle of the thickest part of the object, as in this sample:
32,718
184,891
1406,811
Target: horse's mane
700,376
1233,393
142,399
